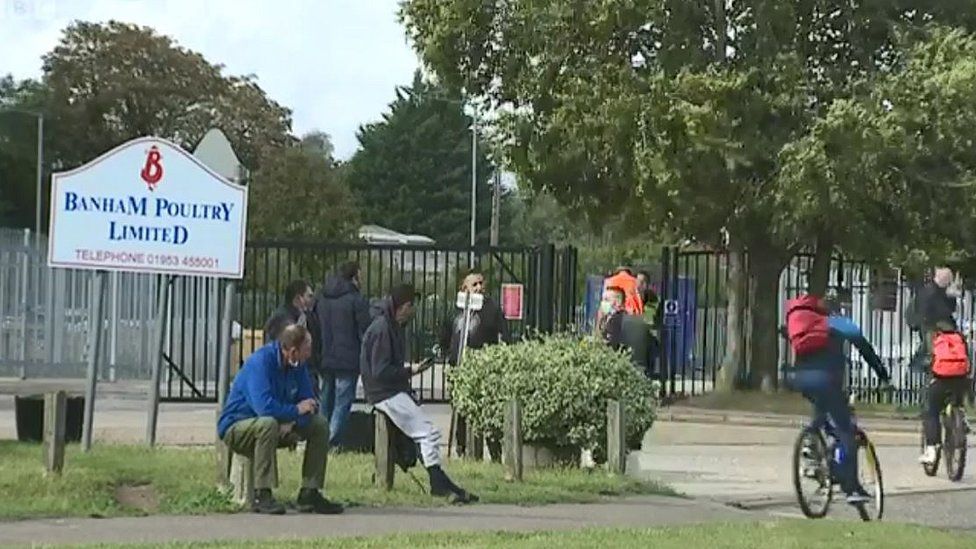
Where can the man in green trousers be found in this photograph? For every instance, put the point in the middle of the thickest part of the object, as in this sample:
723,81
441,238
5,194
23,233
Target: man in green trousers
272,404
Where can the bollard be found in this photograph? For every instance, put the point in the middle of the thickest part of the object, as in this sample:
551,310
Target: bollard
242,478
616,438
55,421
383,451
512,441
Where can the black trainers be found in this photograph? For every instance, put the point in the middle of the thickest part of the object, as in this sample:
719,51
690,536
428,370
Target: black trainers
461,497
311,501
265,503
442,486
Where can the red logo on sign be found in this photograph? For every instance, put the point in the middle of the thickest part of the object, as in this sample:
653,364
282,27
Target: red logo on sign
152,172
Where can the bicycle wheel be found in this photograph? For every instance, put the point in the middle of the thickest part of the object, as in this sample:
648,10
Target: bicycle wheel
954,444
931,469
869,471
812,480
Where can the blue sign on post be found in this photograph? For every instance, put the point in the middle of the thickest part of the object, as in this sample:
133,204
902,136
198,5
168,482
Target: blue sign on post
672,316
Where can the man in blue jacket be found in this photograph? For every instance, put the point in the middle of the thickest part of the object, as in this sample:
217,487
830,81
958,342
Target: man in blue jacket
272,404
820,377
343,315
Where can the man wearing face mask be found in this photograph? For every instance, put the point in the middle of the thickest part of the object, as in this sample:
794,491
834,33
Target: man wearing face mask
272,404
386,378
485,327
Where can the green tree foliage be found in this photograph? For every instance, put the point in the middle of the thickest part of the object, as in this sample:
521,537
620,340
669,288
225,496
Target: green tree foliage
108,83
298,195
412,172
705,118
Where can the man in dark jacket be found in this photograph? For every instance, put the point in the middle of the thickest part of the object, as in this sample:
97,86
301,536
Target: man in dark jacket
934,304
485,327
271,404
343,316
386,378
298,301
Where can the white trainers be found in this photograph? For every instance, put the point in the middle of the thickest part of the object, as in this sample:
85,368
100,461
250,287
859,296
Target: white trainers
858,498
929,456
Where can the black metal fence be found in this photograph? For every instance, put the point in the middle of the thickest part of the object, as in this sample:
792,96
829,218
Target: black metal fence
694,336
547,274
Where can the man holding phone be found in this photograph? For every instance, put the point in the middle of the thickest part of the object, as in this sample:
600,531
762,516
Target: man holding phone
270,405
386,378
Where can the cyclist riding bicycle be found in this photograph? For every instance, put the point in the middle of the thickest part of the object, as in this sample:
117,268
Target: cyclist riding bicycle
817,334
951,379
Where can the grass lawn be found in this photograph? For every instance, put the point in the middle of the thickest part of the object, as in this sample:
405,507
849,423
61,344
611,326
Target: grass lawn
788,403
181,481
785,534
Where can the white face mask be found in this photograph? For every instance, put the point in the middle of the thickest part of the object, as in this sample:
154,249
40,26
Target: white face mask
293,363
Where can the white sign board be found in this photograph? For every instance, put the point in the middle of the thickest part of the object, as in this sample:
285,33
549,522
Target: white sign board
148,206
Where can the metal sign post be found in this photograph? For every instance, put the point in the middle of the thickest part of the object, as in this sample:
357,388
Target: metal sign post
94,356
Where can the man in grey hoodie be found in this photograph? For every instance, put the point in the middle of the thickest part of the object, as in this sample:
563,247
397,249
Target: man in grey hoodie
386,378
343,316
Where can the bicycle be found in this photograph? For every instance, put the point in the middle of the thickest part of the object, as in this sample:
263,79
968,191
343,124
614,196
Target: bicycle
953,446
816,455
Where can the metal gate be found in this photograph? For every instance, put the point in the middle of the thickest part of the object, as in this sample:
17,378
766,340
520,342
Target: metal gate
548,275
693,328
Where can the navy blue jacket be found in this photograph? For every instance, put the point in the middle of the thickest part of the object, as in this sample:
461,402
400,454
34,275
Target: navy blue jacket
264,387
843,330
343,315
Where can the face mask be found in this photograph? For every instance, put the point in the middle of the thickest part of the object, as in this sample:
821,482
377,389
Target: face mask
293,363
606,307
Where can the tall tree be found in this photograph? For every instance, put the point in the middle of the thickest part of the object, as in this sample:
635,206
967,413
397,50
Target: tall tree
104,84
412,172
18,152
679,114
298,195
112,82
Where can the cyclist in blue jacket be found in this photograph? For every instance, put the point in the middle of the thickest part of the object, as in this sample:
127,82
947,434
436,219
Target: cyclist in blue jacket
820,377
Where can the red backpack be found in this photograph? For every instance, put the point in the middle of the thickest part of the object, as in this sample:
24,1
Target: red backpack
806,325
950,357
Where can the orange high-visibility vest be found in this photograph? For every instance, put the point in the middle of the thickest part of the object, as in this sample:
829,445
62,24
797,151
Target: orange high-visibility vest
632,299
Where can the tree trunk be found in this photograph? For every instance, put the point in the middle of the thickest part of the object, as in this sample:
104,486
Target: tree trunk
764,275
820,271
728,375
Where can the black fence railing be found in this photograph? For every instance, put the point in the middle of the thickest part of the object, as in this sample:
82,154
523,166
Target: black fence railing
548,276
694,336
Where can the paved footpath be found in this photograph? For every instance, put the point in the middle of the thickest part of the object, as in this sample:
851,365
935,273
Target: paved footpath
633,512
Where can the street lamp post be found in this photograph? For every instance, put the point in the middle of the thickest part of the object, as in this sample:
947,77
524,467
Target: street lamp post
474,174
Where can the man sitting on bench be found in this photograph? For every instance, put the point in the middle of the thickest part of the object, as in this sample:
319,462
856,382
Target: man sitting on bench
271,404
386,378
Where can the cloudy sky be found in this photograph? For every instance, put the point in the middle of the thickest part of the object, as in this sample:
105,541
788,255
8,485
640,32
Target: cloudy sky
335,63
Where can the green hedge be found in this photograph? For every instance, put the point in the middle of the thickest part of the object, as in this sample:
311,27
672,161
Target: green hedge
563,383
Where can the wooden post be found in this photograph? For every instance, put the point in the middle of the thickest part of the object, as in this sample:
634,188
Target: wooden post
55,419
616,438
474,445
512,441
383,450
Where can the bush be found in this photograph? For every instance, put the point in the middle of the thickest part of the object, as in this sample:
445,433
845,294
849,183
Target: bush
563,383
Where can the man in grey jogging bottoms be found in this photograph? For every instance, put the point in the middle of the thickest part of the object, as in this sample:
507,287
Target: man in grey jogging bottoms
386,378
